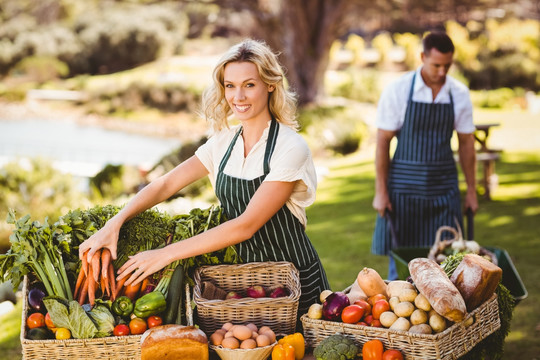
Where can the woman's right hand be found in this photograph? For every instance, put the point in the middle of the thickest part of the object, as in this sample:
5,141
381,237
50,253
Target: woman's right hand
106,237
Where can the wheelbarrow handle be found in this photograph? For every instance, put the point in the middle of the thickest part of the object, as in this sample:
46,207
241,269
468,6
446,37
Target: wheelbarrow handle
470,224
389,215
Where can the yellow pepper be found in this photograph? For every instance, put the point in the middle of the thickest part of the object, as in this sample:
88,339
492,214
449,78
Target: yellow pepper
283,352
296,340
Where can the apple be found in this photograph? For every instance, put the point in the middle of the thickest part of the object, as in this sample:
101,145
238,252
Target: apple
280,291
233,295
256,291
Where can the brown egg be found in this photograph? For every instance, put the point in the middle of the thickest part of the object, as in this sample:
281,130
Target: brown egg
253,327
268,332
229,334
216,338
227,326
230,343
242,332
222,331
248,344
263,340
263,329
254,335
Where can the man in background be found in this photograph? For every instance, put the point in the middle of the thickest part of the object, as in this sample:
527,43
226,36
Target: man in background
418,187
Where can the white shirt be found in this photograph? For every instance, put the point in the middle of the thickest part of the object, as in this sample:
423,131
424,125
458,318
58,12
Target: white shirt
290,161
393,102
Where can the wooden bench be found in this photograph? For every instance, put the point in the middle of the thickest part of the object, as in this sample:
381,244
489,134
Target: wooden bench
489,180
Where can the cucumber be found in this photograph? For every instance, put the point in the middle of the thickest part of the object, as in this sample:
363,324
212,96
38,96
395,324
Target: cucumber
174,295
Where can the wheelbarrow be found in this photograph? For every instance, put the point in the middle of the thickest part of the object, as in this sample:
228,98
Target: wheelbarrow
510,278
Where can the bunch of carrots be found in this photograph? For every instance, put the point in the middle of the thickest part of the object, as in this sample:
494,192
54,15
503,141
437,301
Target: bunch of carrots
99,274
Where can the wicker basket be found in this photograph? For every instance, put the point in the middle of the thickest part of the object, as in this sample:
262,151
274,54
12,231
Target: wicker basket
279,314
112,347
259,353
452,343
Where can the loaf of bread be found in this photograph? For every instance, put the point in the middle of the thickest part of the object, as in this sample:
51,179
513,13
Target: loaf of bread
167,342
476,278
432,282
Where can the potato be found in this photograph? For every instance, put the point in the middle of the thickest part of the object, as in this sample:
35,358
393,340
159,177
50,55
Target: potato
401,324
395,287
421,329
404,309
394,300
324,294
422,302
387,318
418,317
437,323
408,295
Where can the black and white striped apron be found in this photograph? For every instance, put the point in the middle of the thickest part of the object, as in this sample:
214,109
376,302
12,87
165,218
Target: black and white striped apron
422,181
282,238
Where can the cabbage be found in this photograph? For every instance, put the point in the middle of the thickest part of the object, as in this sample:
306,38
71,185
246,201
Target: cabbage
103,319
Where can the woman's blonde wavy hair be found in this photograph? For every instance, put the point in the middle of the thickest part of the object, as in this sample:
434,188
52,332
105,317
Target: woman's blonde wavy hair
281,102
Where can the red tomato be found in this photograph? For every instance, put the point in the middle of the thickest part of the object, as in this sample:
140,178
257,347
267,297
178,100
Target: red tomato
392,354
379,307
352,314
368,319
362,323
376,323
154,321
121,330
35,320
373,299
137,326
365,305
48,321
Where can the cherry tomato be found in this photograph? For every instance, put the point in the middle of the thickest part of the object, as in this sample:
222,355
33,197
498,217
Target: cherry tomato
121,330
35,320
376,323
48,321
368,319
379,307
62,334
352,314
392,354
154,321
137,326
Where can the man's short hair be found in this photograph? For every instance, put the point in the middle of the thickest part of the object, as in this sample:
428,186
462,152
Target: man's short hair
438,40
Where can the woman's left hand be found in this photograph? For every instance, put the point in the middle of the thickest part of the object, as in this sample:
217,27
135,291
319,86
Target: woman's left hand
143,264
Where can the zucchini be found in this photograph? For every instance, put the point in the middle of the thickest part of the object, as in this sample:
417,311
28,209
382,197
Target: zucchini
174,295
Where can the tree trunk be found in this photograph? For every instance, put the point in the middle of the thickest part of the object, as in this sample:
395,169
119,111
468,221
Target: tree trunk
303,32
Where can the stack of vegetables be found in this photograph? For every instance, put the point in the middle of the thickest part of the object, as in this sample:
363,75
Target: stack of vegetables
84,299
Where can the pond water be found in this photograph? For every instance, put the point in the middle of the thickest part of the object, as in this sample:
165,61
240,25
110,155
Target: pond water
78,149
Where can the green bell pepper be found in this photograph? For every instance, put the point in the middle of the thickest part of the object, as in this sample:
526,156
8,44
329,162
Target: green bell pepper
150,304
122,306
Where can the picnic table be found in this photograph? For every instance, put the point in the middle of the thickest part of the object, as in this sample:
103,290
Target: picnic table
487,157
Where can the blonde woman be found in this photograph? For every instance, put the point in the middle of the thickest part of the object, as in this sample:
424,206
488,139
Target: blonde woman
262,172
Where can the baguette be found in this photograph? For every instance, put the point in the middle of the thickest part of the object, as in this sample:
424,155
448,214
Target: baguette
432,282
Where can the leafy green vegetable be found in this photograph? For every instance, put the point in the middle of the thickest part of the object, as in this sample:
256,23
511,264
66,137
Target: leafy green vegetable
103,320
70,315
36,248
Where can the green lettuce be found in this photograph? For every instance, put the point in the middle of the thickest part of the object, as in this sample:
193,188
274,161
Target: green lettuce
70,315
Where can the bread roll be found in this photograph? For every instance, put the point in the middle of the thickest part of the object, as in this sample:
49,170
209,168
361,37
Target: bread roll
432,282
476,278
167,342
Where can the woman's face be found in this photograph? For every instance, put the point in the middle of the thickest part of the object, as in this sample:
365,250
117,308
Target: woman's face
245,92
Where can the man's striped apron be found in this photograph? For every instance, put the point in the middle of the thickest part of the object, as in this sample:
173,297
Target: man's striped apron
282,238
422,181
